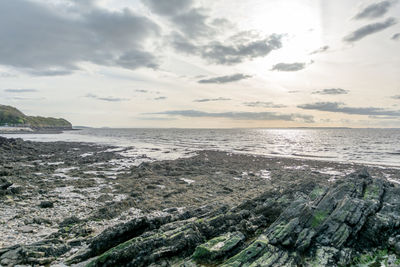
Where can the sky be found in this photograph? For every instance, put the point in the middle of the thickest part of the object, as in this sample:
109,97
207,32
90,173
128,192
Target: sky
203,63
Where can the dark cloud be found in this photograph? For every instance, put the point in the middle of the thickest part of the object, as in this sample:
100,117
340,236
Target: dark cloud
263,104
190,21
211,99
341,108
229,52
183,45
331,91
135,59
239,115
293,91
168,8
289,66
141,91
107,99
396,97
320,50
160,98
369,29
396,36
226,79
20,90
375,10
43,40
193,23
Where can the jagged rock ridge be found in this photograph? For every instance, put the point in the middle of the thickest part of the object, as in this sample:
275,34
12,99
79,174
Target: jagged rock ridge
332,226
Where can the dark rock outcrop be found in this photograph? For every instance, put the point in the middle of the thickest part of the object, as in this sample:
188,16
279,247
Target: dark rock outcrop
357,216
355,220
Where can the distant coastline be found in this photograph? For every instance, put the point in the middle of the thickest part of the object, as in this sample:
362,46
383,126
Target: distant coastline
29,130
13,121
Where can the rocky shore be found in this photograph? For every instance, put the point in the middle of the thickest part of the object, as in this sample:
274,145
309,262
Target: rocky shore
83,204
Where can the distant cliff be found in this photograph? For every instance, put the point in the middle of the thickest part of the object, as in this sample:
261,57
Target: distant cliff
10,116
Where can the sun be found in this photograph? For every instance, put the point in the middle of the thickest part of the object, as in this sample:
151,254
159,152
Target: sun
299,21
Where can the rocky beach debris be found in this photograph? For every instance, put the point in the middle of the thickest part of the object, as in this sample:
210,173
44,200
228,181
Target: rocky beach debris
212,209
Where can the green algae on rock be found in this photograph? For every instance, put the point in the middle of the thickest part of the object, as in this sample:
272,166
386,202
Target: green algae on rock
218,248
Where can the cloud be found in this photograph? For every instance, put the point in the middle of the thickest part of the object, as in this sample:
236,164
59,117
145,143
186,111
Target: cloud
341,108
183,45
160,98
107,99
54,39
226,79
193,23
289,66
20,90
142,91
7,75
26,98
332,91
211,99
229,52
320,50
267,116
382,117
396,36
375,10
53,72
396,97
156,119
237,52
263,104
190,21
369,29
168,8
135,59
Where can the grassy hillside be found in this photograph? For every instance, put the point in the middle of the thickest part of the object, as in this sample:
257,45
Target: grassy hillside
12,116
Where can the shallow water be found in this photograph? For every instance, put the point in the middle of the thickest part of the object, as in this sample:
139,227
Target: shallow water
372,146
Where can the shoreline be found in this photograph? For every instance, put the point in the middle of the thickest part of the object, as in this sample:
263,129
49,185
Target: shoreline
35,131
64,188
236,151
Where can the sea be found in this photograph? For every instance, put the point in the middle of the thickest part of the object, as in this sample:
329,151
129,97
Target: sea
367,146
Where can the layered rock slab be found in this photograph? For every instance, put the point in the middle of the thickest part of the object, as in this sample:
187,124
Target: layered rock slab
328,227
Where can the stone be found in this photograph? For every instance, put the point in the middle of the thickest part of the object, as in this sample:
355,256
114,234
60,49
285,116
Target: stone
218,247
27,229
69,221
4,183
46,204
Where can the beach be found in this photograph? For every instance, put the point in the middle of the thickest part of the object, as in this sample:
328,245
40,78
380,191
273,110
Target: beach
71,192
196,133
